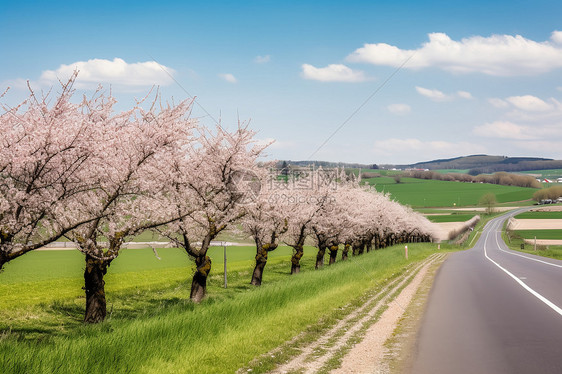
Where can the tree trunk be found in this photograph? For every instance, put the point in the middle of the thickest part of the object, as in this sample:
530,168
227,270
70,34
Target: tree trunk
199,283
320,257
261,261
333,253
296,259
94,285
345,252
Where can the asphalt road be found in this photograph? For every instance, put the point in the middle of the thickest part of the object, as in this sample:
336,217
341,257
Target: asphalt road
492,310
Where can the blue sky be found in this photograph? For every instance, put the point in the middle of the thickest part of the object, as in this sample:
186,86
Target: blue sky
479,76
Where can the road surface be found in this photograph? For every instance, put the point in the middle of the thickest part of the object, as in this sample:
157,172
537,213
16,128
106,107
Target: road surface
492,310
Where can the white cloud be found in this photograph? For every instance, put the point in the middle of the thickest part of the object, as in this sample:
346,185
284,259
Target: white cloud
504,130
228,77
529,103
434,95
503,55
332,73
262,59
116,72
464,95
399,108
498,103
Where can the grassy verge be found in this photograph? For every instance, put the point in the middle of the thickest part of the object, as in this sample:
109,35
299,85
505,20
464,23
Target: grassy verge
515,242
150,315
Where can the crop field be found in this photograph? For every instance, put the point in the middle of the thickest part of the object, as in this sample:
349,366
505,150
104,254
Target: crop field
149,311
540,234
434,193
540,215
460,217
549,173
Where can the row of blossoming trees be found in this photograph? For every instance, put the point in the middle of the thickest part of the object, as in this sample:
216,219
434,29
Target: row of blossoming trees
76,169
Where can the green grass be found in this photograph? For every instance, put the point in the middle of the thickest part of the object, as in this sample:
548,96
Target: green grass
540,234
451,217
152,328
433,193
539,215
549,173
515,242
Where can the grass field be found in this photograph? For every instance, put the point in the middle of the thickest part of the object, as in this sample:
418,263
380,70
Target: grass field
539,215
549,173
433,193
540,234
451,218
151,327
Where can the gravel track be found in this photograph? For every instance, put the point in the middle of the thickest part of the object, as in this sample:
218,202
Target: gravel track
355,342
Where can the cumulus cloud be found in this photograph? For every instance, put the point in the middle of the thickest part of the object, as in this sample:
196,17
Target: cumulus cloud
498,103
529,103
399,108
262,59
228,77
437,95
464,95
504,130
116,72
434,95
501,55
332,73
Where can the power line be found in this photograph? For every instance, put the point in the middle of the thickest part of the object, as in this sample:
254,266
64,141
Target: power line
361,106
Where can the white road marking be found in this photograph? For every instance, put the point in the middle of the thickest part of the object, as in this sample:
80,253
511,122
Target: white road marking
521,283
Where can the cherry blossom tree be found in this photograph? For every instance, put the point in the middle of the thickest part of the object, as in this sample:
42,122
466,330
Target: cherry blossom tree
45,150
129,165
265,222
209,187
303,196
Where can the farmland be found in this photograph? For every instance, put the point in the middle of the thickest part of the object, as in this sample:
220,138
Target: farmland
434,193
150,312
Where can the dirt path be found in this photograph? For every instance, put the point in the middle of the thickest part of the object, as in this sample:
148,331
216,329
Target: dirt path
355,343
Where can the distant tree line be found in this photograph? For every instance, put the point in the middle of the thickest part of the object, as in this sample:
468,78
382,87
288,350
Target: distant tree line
551,193
501,178
518,166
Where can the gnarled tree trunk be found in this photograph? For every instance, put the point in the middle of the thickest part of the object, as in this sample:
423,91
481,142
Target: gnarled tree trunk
345,251
261,260
199,283
320,256
333,253
298,252
94,285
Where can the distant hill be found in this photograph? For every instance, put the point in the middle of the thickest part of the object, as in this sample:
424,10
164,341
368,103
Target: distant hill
478,164
327,164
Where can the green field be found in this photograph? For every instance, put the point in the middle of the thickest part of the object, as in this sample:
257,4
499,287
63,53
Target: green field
539,215
540,234
549,173
152,328
434,193
451,217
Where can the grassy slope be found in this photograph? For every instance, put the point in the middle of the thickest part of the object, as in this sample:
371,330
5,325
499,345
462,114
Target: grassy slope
421,192
223,333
